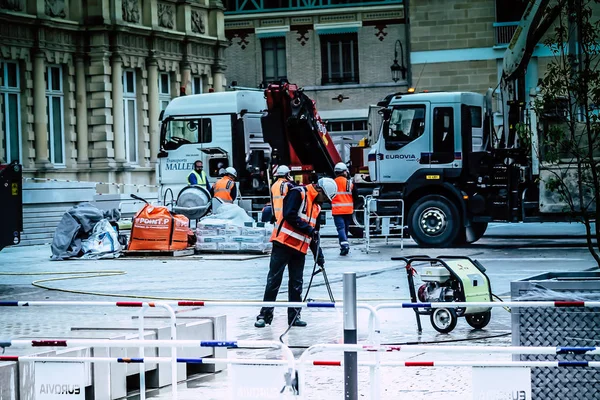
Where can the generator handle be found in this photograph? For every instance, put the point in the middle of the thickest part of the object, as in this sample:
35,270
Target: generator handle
411,259
411,282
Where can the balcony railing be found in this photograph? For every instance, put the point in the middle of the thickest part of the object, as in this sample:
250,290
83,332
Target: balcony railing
254,6
504,32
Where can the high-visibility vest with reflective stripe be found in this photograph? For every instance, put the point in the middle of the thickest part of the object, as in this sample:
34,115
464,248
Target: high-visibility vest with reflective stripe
200,178
308,212
342,203
278,192
222,189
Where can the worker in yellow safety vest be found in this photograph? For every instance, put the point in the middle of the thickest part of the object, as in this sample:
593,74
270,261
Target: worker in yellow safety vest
225,189
342,207
198,176
279,189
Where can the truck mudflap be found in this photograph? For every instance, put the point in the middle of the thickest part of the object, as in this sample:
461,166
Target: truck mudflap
306,140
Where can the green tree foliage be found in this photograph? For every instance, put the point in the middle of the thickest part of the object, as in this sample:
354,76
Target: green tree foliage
568,106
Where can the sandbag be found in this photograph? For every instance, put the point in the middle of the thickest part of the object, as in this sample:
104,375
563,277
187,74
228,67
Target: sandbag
103,242
156,228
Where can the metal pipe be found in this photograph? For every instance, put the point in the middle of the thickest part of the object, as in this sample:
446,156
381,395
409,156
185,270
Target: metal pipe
350,337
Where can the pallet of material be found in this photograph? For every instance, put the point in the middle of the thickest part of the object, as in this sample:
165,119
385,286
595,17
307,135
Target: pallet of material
159,253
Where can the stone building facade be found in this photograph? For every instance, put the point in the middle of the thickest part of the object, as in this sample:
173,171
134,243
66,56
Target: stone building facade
447,45
460,44
339,51
82,83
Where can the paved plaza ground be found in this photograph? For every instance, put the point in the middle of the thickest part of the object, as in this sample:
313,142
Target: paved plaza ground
509,252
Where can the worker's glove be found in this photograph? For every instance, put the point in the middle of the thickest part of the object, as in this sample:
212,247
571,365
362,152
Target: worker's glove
321,261
315,235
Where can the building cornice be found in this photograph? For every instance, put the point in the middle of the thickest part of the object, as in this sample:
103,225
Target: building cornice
317,12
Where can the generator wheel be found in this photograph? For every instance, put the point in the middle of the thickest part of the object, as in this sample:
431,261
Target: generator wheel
443,320
480,320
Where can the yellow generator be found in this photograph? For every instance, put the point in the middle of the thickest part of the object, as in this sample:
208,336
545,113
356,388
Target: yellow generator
448,279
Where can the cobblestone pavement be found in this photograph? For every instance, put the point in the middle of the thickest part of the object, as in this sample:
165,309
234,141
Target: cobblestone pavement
509,253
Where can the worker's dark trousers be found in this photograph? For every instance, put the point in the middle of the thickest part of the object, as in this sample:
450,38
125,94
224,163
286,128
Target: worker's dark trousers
342,224
280,257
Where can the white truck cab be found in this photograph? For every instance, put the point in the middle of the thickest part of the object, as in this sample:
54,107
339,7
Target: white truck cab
220,129
423,131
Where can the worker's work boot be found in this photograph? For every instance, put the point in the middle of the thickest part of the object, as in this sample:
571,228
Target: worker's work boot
299,323
344,251
262,321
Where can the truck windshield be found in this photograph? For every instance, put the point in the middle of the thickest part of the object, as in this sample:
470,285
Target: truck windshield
198,130
406,124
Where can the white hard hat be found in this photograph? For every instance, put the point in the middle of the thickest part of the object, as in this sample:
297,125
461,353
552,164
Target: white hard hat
329,187
231,171
340,167
282,170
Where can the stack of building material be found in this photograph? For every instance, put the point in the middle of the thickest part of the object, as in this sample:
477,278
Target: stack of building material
221,236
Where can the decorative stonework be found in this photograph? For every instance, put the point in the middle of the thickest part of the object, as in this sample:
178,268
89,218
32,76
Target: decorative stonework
55,8
166,15
12,5
198,24
18,34
131,11
302,36
383,15
241,35
337,18
168,46
238,25
272,22
201,50
380,31
301,21
131,42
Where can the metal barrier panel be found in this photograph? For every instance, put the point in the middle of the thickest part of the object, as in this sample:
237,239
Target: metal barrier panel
383,221
578,327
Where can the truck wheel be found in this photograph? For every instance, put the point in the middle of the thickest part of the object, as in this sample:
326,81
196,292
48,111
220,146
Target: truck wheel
443,320
479,321
434,221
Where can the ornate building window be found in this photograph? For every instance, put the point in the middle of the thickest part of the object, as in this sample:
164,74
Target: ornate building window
164,89
56,115
10,114
197,85
130,111
274,60
339,58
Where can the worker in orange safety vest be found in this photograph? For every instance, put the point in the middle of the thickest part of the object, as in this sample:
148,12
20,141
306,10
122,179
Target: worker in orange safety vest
225,189
342,207
296,231
278,191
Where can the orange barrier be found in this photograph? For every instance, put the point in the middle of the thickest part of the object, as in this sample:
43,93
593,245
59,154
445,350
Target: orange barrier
156,228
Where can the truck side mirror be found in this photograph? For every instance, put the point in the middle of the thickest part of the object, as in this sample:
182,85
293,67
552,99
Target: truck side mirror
386,113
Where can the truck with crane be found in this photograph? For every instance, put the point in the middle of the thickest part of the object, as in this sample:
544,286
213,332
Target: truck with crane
454,169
